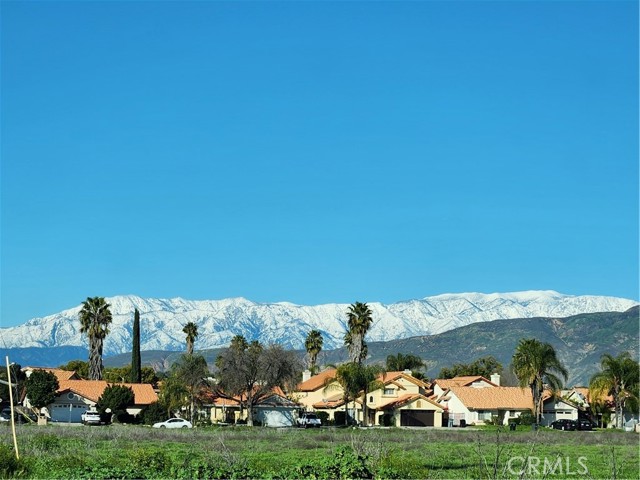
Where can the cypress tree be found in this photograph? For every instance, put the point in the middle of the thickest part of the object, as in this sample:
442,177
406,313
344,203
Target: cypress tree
136,364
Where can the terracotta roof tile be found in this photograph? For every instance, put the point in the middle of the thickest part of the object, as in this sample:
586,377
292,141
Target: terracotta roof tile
60,374
503,398
463,381
317,381
93,389
331,402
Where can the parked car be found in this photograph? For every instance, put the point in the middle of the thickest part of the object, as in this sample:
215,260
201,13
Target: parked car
173,423
5,415
564,424
91,417
307,420
584,424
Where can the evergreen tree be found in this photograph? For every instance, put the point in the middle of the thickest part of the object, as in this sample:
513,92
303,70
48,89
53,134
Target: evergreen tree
136,363
41,387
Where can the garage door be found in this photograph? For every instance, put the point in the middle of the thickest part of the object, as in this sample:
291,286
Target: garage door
416,418
67,413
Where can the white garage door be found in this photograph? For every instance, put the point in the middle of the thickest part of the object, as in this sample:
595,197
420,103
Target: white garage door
276,417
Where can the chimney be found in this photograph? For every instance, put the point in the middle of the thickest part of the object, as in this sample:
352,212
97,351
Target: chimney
306,375
407,372
495,378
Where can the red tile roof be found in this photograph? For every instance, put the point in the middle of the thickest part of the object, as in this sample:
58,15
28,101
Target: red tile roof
404,399
497,398
317,381
463,381
93,389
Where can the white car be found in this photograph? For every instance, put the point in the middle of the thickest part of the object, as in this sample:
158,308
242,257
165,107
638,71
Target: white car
173,423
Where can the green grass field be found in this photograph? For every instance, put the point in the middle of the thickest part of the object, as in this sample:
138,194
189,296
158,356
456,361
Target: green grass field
121,451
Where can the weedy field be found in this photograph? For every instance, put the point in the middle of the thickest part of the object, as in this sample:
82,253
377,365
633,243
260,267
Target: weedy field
128,452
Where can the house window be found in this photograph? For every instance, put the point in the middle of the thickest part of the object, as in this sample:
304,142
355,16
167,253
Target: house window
70,396
370,398
389,391
419,404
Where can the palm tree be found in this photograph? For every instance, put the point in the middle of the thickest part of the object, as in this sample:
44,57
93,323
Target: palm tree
536,364
95,318
313,344
619,378
400,362
191,330
359,317
347,375
369,381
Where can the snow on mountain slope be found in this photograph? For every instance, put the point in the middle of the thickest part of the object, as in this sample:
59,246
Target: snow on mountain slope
162,320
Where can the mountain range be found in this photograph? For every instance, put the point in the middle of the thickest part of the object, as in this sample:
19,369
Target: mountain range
579,341
287,324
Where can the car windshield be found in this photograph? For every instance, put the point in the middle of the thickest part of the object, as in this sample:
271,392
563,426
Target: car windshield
311,415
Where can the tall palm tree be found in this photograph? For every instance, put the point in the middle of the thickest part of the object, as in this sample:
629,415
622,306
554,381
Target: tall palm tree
536,364
95,318
313,345
191,330
359,317
619,378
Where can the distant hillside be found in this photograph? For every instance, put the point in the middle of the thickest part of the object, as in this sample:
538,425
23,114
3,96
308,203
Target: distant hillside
580,340
218,321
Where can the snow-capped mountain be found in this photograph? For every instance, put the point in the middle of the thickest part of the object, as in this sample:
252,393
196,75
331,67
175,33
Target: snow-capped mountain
162,320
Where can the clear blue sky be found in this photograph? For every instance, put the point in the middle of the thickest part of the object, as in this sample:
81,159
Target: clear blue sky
316,152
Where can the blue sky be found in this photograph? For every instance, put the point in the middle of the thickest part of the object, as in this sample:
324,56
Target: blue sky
316,152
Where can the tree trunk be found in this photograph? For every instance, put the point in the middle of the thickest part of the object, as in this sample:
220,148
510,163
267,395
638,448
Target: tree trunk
250,409
365,409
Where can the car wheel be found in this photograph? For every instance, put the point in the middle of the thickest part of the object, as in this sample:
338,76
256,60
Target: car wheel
184,426
163,426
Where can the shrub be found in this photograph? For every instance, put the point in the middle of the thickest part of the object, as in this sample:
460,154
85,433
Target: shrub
153,413
10,467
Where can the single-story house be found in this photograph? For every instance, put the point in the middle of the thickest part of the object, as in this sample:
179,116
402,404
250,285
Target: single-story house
273,410
471,405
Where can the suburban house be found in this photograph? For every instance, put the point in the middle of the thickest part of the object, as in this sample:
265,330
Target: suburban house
476,400
558,408
273,410
74,396
440,385
402,400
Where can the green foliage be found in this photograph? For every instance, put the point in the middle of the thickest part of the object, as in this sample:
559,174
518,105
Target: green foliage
359,320
115,397
485,367
343,464
95,318
153,413
10,467
17,377
41,388
136,362
191,331
313,345
400,362
619,377
191,371
123,375
536,365
81,368
45,443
